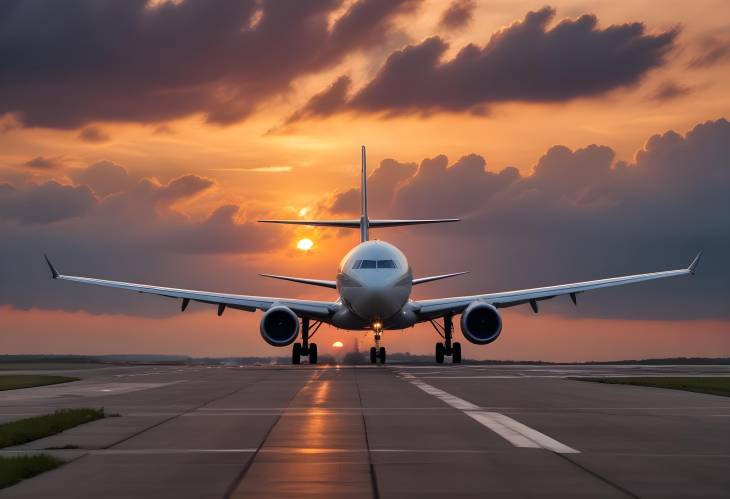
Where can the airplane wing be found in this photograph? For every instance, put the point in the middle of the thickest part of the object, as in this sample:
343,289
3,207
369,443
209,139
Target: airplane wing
430,309
303,308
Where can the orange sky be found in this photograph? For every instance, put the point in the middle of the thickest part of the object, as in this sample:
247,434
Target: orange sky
270,170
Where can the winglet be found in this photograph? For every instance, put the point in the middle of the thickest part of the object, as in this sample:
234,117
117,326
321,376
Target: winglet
54,272
693,265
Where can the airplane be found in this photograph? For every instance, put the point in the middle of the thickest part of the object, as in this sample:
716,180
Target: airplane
374,283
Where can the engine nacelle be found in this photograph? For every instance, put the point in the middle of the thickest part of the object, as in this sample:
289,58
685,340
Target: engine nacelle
279,326
481,323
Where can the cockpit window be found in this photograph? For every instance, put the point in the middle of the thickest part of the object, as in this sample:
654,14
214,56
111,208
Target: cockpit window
373,264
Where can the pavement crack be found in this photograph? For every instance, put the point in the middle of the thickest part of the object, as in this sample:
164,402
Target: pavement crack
373,476
242,474
595,474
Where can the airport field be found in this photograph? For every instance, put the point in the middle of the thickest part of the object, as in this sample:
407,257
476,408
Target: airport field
378,431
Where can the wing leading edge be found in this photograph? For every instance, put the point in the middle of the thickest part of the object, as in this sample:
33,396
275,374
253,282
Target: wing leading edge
428,309
303,308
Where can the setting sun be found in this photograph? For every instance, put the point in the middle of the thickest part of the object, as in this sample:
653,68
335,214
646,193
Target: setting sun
337,344
305,244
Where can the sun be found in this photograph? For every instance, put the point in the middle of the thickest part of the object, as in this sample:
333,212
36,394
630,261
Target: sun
305,244
337,344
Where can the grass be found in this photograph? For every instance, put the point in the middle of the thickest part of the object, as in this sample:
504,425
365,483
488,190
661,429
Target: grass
47,366
16,381
29,429
17,468
712,385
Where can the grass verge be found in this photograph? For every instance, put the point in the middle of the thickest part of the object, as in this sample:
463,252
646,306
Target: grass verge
16,381
17,468
712,385
29,429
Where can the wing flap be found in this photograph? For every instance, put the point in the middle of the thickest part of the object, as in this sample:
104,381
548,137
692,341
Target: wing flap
312,282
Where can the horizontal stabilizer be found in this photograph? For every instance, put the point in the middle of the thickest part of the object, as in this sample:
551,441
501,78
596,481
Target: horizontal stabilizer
311,282
355,224
421,280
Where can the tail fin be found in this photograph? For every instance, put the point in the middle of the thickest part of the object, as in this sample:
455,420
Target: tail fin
364,223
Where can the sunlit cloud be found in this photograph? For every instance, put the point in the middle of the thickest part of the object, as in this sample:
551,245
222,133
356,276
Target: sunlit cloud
260,169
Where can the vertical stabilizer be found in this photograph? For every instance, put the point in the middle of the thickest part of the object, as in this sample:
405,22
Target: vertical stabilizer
364,221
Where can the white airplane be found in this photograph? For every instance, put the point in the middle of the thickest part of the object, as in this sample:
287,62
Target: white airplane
374,282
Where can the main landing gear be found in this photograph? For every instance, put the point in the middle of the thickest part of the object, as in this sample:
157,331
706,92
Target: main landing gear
377,352
447,348
305,348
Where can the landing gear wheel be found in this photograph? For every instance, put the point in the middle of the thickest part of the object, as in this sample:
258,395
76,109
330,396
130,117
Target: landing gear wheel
456,353
373,355
312,353
382,355
440,352
296,353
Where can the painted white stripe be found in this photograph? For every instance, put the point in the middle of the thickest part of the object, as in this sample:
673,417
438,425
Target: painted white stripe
513,431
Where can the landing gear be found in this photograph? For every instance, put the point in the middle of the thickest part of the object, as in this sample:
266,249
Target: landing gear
447,348
305,348
377,352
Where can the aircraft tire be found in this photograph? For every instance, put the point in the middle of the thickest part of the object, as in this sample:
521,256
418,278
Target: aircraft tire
296,353
456,353
373,355
312,353
382,355
440,352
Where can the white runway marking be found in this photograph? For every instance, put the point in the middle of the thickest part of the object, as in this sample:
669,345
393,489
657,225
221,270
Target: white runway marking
513,431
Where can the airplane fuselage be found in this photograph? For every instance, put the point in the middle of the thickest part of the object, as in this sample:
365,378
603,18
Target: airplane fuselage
374,281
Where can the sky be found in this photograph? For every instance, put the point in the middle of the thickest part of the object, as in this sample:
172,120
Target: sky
140,140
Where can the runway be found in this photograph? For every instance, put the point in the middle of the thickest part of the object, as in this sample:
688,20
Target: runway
379,431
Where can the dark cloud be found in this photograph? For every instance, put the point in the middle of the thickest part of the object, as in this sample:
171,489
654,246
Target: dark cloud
669,90
381,184
324,103
43,163
103,177
457,15
94,134
713,49
134,233
45,203
525,62
580,215
133,60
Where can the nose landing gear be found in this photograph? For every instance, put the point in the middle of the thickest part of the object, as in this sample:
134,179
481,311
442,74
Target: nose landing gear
447,348
377,352
305,349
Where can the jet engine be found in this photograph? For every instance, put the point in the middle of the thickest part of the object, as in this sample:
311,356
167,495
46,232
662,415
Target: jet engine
481,323
279,326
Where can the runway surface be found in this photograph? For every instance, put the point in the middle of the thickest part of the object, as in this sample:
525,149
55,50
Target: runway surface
379,431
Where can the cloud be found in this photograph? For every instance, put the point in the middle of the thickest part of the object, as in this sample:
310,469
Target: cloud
581,214
381,185
327,102
94,135
133,231
669,90
713,49
45,203
43,163
141,62
103,177
527,61
457,15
